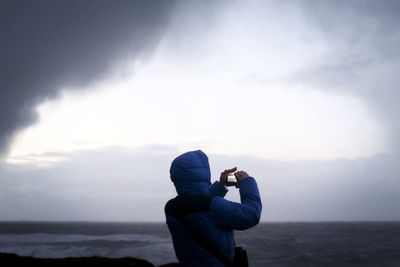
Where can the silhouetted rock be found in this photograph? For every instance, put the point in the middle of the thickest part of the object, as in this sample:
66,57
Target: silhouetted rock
172,264
15,260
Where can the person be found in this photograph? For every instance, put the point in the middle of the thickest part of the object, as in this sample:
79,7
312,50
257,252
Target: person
200,218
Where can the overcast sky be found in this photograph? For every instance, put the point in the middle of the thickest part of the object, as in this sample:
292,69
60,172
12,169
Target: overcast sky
97,99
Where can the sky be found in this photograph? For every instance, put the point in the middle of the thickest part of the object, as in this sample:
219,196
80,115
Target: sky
98,99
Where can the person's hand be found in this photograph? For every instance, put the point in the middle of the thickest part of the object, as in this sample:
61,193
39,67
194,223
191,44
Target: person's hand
240,176
224,175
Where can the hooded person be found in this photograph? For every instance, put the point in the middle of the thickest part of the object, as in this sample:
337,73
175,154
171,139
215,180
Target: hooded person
200,220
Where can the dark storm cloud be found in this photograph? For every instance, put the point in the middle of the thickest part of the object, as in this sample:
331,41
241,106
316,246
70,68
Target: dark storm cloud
363,38
47,45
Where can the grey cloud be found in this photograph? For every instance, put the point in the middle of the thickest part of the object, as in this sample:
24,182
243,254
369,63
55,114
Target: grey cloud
362,58
49,44
109,184
333,190
359,34
119,184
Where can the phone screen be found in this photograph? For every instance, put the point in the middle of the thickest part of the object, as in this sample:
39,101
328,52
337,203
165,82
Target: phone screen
231,179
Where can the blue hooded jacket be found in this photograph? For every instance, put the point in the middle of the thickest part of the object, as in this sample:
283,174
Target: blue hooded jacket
190,173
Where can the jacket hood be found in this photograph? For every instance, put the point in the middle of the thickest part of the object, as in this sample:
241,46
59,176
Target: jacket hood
190,173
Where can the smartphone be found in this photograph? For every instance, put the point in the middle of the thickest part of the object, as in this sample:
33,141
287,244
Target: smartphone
231,179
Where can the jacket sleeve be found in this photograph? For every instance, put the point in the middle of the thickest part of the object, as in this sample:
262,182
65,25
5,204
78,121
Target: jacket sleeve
218,189
238,216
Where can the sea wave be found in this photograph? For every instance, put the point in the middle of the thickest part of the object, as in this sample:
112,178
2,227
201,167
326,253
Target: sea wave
155,249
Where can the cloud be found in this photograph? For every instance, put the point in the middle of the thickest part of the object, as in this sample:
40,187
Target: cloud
362,58
119,184
108,184
48,45
60,44
323,190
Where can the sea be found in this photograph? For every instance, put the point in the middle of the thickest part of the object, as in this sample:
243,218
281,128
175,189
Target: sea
267,244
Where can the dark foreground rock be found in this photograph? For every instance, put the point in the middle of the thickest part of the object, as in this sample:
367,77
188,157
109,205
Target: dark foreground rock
15,260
